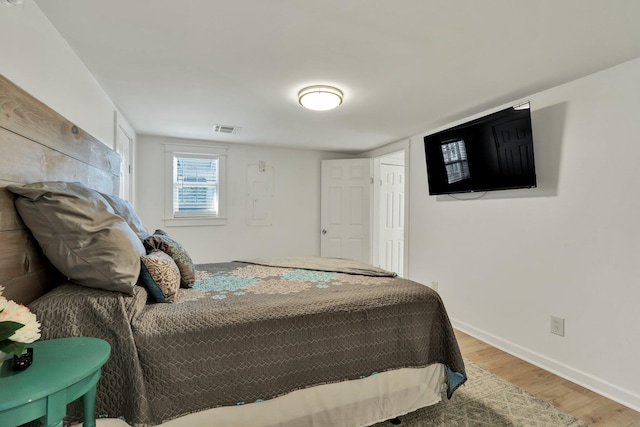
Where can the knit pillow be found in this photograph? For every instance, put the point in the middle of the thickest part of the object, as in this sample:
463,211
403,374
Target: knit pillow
167,244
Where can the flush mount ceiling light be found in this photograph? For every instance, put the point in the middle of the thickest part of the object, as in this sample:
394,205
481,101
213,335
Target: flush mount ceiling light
320,98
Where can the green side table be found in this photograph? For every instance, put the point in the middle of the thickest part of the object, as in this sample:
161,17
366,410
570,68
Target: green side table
62,371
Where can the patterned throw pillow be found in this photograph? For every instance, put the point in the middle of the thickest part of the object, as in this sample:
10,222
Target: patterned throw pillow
160,275
167,244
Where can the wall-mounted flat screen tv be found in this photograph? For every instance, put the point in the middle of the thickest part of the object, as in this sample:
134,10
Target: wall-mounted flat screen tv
494,152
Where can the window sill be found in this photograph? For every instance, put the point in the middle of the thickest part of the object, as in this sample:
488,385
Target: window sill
194,222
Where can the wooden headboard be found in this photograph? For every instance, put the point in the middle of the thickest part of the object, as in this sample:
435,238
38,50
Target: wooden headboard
38,144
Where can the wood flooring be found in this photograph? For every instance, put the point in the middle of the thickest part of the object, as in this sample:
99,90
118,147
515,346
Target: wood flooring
590,407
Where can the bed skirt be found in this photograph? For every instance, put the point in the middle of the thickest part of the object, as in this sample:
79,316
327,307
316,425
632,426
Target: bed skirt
352,403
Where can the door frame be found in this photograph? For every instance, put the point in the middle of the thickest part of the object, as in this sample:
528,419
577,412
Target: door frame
376,201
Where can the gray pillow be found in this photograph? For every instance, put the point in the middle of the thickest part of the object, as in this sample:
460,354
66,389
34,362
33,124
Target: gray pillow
124,209
80,234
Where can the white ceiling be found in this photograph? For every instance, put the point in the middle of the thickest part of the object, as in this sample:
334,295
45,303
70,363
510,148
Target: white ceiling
177,67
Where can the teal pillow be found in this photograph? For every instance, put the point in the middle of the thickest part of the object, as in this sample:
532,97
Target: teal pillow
160,275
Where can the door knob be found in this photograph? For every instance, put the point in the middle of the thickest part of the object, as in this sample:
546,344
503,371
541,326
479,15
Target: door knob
324,231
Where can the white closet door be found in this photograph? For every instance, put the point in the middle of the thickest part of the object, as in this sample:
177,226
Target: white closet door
391,247
124,144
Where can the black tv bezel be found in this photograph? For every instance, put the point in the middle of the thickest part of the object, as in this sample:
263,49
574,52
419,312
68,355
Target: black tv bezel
448,135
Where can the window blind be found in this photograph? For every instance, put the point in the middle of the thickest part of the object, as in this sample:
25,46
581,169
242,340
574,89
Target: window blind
195,186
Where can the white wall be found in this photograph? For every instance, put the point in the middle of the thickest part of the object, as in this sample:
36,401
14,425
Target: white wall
295,228
34,56
570,248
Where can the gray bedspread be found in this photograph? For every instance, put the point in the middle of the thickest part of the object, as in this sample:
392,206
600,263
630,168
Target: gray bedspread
250,332
335,265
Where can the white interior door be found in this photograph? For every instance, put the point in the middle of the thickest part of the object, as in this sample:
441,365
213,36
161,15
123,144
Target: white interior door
391,247
346,209
123,146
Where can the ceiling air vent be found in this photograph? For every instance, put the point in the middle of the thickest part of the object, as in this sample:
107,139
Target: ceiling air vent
233,130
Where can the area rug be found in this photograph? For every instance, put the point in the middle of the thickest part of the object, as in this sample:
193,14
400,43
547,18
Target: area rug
488,400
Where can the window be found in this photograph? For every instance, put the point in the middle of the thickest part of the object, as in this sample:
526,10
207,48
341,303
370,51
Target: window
455,160
195,185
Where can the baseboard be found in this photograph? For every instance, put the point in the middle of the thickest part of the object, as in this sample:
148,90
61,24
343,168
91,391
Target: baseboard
597,385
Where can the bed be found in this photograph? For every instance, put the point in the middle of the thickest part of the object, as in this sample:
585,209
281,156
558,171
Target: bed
288,342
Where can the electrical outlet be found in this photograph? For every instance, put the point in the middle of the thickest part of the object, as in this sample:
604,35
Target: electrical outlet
434,285
557,325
